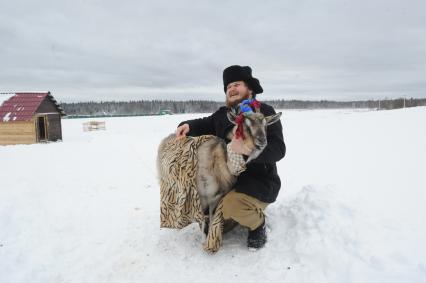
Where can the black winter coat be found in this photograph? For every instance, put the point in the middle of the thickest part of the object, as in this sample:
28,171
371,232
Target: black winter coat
260,179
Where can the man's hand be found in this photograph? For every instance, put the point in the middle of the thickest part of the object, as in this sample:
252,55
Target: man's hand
238,146
181,131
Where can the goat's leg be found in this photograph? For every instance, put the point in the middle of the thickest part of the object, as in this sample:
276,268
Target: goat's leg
204,205
206,225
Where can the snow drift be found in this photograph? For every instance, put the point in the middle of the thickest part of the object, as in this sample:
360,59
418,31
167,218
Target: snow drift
351,209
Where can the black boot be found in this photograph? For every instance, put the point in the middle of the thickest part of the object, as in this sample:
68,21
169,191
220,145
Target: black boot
257,237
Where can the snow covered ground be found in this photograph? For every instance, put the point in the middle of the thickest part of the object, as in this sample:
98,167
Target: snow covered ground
352,207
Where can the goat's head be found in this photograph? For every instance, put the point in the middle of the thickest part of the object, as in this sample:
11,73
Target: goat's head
254,128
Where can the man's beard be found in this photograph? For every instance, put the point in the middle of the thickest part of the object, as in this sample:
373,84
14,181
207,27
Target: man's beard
232,104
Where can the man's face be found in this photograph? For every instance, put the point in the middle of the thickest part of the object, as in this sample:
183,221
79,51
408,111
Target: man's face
237,92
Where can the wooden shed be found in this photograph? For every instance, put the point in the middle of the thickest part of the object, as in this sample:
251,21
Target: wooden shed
27,118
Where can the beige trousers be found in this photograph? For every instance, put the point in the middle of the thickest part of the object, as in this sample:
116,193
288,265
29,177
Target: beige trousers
244,209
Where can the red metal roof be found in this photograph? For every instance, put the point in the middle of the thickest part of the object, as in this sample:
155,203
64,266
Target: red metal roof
23,105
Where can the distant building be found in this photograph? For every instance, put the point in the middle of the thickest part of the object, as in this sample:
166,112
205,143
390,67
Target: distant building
27,118
165,112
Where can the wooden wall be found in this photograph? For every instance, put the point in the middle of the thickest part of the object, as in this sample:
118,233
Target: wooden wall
17,132
47,106
54,128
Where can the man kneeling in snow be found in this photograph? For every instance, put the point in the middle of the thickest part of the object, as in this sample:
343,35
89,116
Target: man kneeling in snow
258,182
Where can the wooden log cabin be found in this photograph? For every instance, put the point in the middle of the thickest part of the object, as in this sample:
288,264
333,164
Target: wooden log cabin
27,118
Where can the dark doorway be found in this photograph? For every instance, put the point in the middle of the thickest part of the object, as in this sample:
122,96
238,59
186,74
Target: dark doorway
41,123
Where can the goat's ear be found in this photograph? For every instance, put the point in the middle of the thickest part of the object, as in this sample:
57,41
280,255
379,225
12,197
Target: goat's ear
273,118
232,115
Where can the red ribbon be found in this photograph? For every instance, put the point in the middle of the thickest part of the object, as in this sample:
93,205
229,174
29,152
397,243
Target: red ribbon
255,104
239,133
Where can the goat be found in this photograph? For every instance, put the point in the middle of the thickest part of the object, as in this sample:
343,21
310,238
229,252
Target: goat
214,178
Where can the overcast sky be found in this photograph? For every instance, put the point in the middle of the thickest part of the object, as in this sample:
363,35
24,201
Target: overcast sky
305,49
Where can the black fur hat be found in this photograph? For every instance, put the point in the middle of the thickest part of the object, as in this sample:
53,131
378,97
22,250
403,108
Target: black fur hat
241,73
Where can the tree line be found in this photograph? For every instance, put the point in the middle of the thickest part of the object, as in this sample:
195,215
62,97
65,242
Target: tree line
154,107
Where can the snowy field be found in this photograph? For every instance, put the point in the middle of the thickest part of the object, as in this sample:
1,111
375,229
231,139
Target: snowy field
352,207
